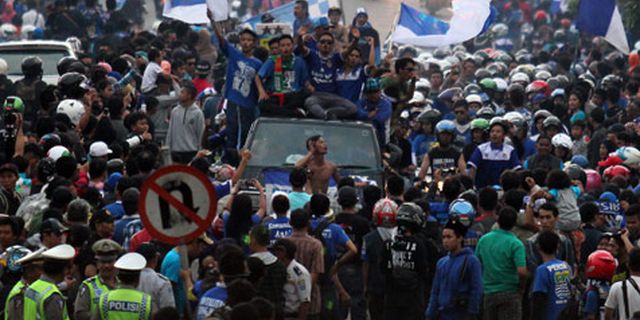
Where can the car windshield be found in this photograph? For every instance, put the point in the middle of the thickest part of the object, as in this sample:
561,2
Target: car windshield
281,144
49,58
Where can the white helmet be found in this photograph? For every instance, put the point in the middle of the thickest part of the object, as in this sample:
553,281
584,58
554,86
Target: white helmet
418,97
501,84
58,152
75,44
423,83
520,77
500,30
562,140
8,30
74,109
515,118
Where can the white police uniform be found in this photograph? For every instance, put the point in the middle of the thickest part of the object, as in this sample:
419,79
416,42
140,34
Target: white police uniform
297,289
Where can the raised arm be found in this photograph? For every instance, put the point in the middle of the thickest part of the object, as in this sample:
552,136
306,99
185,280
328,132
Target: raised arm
304,50
246,156
354,44
217,30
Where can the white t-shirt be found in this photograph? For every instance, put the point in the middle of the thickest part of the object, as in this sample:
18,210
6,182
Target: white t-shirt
297,289
615,300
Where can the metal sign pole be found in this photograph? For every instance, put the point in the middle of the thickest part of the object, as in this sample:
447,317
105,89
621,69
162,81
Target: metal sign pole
184,262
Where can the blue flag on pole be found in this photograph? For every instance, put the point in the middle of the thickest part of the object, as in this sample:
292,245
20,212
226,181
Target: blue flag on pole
470,18
602,18
284,13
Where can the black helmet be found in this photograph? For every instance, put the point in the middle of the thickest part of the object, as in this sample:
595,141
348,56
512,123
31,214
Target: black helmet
64,63
430,116
515,88
70,85
472,89
482,73
575,172
32,66
78,67
410,215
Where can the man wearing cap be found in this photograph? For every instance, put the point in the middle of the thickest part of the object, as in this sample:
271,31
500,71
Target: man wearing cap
9,199
375,108
86,304
492,158
203,68
361,21
100,150
126,302
152,282
31,266
43,299
102,228
51,233
240,88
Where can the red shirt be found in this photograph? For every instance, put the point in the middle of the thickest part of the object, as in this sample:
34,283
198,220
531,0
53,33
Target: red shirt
201,84
139,238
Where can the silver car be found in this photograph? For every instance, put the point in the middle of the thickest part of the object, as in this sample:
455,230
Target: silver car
49,51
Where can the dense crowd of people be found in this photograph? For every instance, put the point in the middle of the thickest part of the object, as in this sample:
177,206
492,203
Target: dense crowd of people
511,170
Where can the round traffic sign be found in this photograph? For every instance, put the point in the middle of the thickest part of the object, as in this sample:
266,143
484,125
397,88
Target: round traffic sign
177,204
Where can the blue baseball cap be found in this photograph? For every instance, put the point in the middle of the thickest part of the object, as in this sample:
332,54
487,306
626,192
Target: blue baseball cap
321,22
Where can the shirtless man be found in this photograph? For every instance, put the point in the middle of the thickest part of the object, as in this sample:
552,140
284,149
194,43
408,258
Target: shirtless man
320,168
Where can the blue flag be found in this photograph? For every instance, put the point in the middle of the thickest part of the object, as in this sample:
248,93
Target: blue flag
602,18
470,18
284,13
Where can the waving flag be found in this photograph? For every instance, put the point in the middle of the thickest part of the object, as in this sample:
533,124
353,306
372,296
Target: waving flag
195,11
470,18
602,18
284,13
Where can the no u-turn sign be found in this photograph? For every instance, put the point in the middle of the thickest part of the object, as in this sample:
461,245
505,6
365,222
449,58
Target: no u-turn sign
177,204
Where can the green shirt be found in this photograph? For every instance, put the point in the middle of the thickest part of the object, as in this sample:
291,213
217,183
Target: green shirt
501,253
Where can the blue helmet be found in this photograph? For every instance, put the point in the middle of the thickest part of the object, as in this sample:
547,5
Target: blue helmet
464,210
445,126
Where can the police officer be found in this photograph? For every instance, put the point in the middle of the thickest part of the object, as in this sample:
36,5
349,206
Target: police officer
126,302
43,299
405,266
152,282
31,265
86,304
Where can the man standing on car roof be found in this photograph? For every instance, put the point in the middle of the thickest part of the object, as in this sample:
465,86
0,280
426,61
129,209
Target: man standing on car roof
319,169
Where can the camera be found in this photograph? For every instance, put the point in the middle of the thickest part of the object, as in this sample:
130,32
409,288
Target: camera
10,116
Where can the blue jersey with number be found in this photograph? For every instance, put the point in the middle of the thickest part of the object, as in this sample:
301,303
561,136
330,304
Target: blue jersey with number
240,87
278,228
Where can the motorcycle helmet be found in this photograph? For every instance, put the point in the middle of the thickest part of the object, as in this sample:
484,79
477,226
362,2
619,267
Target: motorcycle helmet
73,109
480,123
464,210
31,66
410,215
601,265
445,126
384,213
562,140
